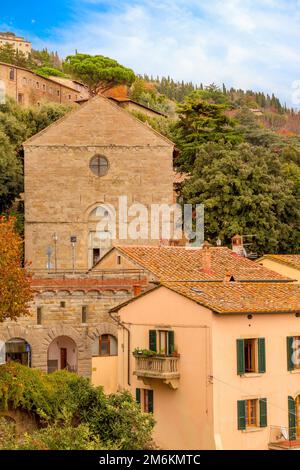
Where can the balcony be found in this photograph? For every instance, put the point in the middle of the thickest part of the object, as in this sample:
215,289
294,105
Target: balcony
165,368
280,440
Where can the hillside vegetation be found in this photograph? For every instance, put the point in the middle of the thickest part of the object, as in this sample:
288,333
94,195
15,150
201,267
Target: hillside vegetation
239,149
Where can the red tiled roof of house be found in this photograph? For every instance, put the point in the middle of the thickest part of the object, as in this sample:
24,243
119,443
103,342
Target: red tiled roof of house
169,263
236,297
291,260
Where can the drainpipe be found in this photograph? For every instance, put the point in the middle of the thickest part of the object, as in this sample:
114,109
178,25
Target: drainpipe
128,349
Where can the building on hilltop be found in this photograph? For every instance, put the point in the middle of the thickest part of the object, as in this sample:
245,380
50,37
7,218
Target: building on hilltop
31,89
20,44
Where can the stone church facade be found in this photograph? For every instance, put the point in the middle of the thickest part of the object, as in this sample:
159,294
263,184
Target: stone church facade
79,165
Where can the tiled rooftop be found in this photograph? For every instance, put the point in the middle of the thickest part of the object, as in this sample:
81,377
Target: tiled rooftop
171,263
291,260
246,297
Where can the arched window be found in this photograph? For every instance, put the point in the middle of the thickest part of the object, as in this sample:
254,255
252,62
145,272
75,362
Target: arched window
18,350
105,345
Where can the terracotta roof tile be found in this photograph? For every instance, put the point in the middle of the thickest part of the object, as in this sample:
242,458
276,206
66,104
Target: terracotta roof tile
291,260
171,263
236,297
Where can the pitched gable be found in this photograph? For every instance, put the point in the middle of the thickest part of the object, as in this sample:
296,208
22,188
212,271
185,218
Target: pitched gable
99,122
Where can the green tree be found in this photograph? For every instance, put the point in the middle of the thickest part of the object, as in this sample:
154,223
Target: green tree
98,71
64,400
201,122
9,55
245,190
11,175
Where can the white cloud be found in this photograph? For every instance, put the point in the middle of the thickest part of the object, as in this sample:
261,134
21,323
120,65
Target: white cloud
244,43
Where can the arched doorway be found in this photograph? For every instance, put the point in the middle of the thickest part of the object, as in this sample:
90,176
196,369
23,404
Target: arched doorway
62,355
18,350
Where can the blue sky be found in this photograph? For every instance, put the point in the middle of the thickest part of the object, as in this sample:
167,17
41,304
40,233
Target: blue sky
244,43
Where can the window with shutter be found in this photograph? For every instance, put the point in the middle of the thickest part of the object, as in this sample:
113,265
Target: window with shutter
240,356
150,401
152,340
241,410
261,343
292,418
293,352
263,412
138,395
170,342
289,350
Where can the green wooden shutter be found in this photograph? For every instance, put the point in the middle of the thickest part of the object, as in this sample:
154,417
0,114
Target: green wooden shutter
152,340
263,422
290,352
240,356
241,410
261,342
150,401
292,418
138,395
170,342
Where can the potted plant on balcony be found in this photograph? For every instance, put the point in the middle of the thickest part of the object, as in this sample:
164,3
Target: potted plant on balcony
144,352
175,354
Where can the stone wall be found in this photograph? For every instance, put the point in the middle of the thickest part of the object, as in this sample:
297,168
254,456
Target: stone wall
60,321
61,191
30,89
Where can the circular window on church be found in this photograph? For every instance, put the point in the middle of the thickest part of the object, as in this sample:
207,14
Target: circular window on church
99,165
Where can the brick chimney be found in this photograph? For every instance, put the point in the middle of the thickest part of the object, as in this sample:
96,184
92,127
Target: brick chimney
206,258
238,245
137,290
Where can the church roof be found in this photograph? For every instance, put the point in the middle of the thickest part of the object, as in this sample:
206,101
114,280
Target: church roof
99,122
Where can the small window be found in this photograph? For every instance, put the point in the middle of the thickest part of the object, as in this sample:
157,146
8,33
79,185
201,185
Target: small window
99,165
144,398
20,98
162,342
107,345
58,92
293,352
12,74
119,259
251,413
70,97
62,304
24,81
250,355
39,313
37,85
96,255
84,314
44,87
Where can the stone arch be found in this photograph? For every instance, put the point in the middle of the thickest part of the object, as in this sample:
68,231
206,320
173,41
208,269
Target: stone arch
63,330
95,335
17,331
104,328
62,354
